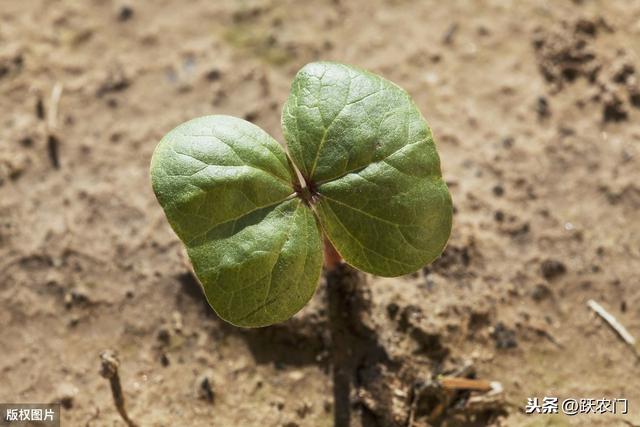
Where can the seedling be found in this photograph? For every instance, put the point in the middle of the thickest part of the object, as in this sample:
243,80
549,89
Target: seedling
370,184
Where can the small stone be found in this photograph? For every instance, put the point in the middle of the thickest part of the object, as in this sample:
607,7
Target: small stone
66,394
79,295
73,322
278,403
68,300
296,375
164,335
586,26
213,75
542,107
478,320
204,387
392,310
164,360
614,110
552,269
504,337
26,142
125,13
177,321
305,409
540,292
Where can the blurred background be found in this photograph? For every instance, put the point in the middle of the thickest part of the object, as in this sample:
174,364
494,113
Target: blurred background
535,107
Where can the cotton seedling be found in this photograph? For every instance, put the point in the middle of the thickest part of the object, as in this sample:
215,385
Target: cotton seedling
370,185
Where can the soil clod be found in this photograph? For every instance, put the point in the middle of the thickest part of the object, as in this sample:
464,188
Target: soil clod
504,337
125,13
552,269
204,388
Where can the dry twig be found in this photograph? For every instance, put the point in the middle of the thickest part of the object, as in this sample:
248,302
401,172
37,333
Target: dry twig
54,102
615,325
109,370
456,383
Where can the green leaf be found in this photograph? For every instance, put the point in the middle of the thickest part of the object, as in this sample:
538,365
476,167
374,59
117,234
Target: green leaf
226,189
373,184
366,151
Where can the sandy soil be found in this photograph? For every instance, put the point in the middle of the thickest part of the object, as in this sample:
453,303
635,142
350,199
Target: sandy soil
535,107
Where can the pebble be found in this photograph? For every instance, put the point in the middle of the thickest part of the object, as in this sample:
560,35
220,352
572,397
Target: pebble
552,269
204,387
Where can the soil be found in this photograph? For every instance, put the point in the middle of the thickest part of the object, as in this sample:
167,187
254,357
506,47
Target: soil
535,107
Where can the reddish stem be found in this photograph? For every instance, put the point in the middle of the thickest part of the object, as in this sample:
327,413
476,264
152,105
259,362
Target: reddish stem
332,258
